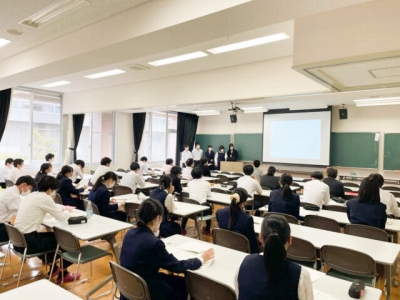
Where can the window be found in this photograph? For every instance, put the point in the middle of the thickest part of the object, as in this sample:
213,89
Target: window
159,137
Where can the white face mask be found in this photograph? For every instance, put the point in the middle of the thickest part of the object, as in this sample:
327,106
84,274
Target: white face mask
231,148
156,230
27,192
222,150
111,185
186,149
197,147
53,193
209,149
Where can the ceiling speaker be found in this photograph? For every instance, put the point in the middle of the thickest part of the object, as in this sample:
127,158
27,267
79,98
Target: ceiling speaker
233,118
343,113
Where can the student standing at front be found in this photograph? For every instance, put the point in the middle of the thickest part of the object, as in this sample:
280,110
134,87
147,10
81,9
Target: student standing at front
186,154
197,154
210,155
233,154
220,156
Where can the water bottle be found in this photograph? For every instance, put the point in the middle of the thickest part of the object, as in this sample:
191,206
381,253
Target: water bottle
89,210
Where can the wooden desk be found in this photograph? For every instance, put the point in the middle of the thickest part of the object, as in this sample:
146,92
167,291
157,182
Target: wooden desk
232,166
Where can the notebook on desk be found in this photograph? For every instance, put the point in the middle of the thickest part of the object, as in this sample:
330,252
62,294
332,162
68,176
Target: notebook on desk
318,295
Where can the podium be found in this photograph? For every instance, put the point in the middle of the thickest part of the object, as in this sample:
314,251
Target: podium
232,166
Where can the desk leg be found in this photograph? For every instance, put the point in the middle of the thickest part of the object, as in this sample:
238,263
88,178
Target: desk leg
388,277
114,247
196,223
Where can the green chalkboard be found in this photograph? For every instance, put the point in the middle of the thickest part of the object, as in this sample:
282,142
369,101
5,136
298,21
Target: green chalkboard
215,140
391,153
249,146
354,149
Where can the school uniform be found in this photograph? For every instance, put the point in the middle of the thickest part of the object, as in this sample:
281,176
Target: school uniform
210,155
270,181
336,188
14,174
143,168
206,171
66,190
38,177
390,201
185,156
258,173
76,173
371,214
10,199
289,206
244,225
187,173
176,182
197,155
3,176
166,169
292,282
220,156
233,155
250,185
100,171
133,180
316,192
144,254
101,197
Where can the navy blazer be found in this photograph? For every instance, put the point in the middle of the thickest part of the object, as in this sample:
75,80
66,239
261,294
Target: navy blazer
336,188
206,171
66,189
278,204
143,253
176,182
101,197
234,153
371,214
244,224
270,181
210,156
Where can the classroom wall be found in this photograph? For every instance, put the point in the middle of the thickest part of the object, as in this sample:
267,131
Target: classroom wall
124,141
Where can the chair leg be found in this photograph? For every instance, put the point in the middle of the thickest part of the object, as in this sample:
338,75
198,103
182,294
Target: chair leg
54,262
22,265
5,259
76,272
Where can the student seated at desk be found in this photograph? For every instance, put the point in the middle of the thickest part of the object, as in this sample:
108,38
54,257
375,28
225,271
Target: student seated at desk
233,154
315,191
176,173
249,182
100,195
8,164
336,188
367,208
45,169
235,219
187,172
78,168
68,192
204,167
165,194
257,173
284,200
10,200
133,179
145,254
29,218
143,166
388,199
102,169
185,155
269,180
210,155
16,172
49,159
220,156
166,169
270,275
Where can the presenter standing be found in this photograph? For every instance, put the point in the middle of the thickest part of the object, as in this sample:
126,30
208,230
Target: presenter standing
233,154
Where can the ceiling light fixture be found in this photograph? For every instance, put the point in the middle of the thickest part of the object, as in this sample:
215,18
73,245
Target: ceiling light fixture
4,42
15,31
58,83
53,12
207,112
250,110
377,101
179,58
105,74
250,43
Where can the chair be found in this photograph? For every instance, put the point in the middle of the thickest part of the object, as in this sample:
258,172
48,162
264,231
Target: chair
94,206
222,178
121,190
391,188
336,208
131,209
309,205
306,179
75,253
296,184
396,194
201,288
303,252
238,174
365,231
348,264
57,199
218,190
91,172
194,217
347,190
321,223
8,183
351,184
224,172
121,170
231,240
153,180
129,284
289,218
17,239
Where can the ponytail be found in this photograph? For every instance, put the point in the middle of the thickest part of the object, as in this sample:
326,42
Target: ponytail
105,177
239,196
286,180
64,170
148,210
42,170
165,182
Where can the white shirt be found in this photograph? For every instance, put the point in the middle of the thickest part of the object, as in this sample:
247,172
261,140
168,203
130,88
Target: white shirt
100,171
169,202
187,173
250,185
316,192
166,169
77,172
197,154
199,190
14,174
257,173
4,173
186,155
390,201
132,180
10,200
33,210
143,168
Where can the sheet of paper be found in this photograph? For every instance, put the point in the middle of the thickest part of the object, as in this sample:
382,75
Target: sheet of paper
195,247
318,295
183,255
314,274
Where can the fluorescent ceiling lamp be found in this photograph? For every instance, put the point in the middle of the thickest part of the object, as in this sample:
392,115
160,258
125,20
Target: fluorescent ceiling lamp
249,110
207,112
377,101
58,83
179,58
105,74
322,106
250,43
4,42
53,12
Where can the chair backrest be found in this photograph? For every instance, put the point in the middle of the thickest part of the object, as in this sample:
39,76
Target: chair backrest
296,184
233,183
94,206
8,183
336,208
302,250
201,288
391,188
218,190
366,232
57,199
230,239
91,172
347,190
348,261
225,172
130,209
16,237
351,184
291,219
121,170
129,284
261,200
321,223
238,174
222,178
121,190
184,194
191,201
66,240
396,194
153,180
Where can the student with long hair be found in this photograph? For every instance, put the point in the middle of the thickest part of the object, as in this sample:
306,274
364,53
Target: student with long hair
204,167
45,169
176,173
235,219
145,254
67,191
367,208
233,154
100,195
284,200
271,275
269,180
210,155
220,156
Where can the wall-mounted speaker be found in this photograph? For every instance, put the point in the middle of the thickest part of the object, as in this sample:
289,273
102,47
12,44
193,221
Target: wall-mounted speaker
233,118
343,113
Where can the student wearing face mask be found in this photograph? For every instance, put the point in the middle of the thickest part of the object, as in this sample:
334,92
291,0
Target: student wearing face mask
8,164
45,169
197,154
145,254
210,155
100,195
10,200
67,191
16,172
185,155
220,156
233,154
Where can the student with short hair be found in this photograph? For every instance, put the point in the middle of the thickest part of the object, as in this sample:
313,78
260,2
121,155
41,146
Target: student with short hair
102,169
284,200
10,200
16,172
336,188
185,155
257,173
100,195
204,167
67,191
210,155
187,172
176,173
145,254
269,180
233,154
220,156
315,191
235,219
272,275
8,164
388,199
249,182
143,165
368,209
166,169
78,170
45,169
197,154
49,158
133,179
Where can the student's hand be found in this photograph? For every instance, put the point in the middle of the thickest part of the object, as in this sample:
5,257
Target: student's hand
171,189
208,255
121,205
113,201
252,176
73,196
69,209
84,187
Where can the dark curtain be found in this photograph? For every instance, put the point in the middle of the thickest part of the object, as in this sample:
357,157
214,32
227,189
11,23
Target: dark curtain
5,101
138,122
186,133
77,123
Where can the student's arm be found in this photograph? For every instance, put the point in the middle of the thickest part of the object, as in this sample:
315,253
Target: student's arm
216,159
394,209
348,211
209,191
13,205
140,181
51,207
236,283
327,195
71,189
104,200
235,155
342,191
79,173
258,187
305,289
169,203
